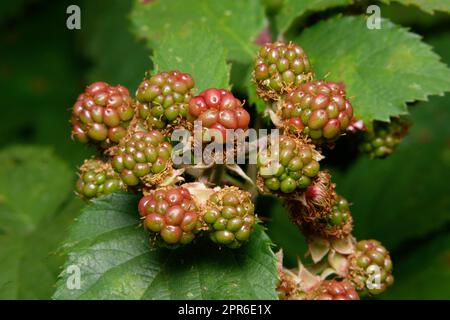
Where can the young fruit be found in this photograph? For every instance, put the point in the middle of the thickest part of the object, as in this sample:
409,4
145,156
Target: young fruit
164,98
278,68
97,178
229,214
142,158
333,290
171,215
101,114
384,138
332,222
370,267
318,110
218,110
290,168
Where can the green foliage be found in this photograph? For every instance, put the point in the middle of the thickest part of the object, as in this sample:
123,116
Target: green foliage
116,56
36,204
293,9
192,54
117,262
235,22
428,6
382,69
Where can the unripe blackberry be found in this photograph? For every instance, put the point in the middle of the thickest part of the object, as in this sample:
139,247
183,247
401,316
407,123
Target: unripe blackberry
97,178
230,216
171,215
164,98
317,109
370,267
219,110
102,114
329,222
278,68
334,290
382,140
291,168
142,158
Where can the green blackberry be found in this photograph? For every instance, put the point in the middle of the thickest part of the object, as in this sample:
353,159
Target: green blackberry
278,68
164,98
291,168
142,158
97,178
382,140
229,214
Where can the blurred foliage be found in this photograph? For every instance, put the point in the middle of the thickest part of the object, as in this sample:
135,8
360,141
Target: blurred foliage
402,201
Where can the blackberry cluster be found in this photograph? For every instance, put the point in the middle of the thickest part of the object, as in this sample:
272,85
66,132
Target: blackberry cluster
230,216
371,267
382,140
164,98
279,67
97,178
102,114
334,290
318,109
289,169
219,110
141,157
171,215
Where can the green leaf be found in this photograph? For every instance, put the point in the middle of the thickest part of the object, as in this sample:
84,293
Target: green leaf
406,195
36,205
282,231
424,273
293,9
235,22
428,6
117,262
382,69
192,54
117,57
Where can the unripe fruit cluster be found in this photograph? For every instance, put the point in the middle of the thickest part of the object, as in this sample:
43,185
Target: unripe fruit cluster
334,290
219,110
318,109
371,254
289,169
171,215
279,66
141,156
382,140
101,114
97,178
230,216
164,98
